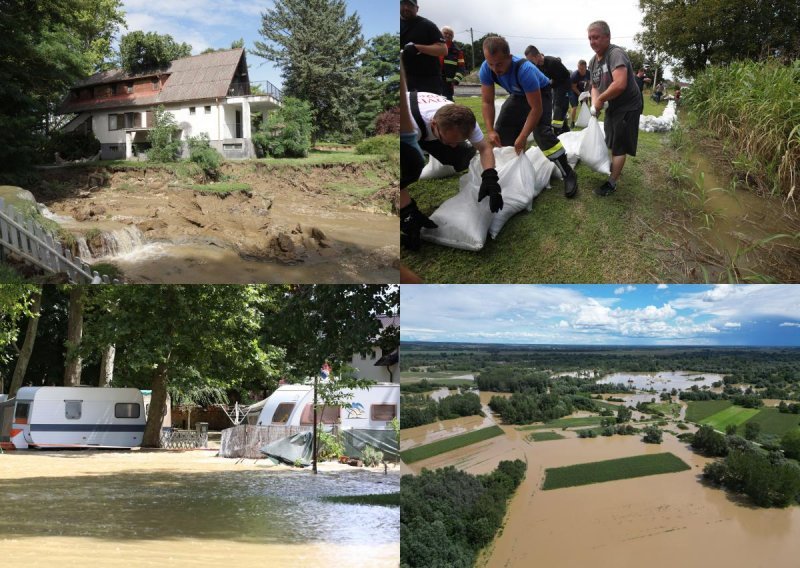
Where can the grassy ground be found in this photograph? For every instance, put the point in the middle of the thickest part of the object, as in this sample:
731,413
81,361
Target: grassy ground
773,422
611,470
698,410
586,239
382,499
566,423
544,436
733,415
449,444
668,408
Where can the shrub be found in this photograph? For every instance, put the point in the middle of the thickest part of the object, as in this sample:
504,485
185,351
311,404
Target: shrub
71,145
287,131
682,426
652,435
388,122
205,156
385,145
164,143
371,456
330,448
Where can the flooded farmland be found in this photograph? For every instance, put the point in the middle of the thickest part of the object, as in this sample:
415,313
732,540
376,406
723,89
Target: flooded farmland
662,380
647,520
156,508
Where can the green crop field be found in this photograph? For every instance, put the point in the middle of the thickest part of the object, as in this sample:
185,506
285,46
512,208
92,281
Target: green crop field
612,470
735,415
449,444
566,423
545,436
700,409
773,422
379,499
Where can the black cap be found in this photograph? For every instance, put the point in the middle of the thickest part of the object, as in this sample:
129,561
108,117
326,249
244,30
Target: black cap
414,2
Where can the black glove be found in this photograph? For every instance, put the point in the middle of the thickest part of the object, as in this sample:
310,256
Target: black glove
411,221
490,186
410,49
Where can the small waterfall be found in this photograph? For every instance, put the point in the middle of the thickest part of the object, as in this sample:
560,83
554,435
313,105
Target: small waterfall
111,243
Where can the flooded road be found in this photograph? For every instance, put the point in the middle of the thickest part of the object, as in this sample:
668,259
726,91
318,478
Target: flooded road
187,508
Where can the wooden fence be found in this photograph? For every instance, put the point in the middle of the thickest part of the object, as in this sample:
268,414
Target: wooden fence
245,441
32,243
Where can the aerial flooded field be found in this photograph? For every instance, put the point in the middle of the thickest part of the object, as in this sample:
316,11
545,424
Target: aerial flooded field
165,508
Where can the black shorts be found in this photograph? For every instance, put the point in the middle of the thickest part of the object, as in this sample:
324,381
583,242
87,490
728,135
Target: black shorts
622,132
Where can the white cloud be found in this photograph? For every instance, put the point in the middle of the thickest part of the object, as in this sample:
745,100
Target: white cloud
662,287
733,324
789,324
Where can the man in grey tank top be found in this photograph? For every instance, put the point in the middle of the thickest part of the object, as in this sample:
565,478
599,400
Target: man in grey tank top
613,82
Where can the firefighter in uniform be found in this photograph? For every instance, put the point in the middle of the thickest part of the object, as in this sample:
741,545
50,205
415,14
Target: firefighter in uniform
527,110
453,66
560,81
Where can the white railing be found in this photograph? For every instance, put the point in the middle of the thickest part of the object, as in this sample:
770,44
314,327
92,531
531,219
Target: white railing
33,244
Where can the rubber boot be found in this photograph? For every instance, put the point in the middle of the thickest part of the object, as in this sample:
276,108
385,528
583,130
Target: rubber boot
569,175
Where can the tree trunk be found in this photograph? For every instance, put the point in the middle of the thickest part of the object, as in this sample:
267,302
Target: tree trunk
107,366
314,440
158,403
27,345
72,370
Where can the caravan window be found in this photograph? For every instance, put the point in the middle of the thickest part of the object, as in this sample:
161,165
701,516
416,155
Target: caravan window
330,415
282,413
21,412
72,409
126,410
383,412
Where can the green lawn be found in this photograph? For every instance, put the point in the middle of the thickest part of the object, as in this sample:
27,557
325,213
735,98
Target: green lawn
700,409
544,436
566,423
669,409
449,444
611,470
382,499
773,422
733,415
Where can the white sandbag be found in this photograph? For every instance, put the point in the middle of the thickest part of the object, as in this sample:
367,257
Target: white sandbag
434,169
542,167
572,144
583,116
663,123
517,184
584,95
593,150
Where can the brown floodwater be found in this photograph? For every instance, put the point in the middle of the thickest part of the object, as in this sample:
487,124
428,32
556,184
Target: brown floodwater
659,521
156,508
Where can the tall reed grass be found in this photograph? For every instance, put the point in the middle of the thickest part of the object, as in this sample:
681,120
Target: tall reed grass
757,106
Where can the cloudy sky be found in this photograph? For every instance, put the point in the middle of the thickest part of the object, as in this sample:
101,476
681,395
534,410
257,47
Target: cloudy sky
217,23
602,314
555,28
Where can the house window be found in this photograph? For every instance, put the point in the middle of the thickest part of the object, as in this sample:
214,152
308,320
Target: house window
384,412
133,120
113,89
127,410
282,413
113,148
330,415
208,110
191,110
112,122
129,88
72,409
21,412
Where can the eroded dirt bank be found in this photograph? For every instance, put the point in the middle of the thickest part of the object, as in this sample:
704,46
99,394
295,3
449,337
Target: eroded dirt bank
314,224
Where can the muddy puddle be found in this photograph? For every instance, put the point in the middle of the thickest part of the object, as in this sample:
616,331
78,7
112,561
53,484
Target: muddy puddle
733,226
187,508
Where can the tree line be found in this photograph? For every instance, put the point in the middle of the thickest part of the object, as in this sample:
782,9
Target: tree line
421,409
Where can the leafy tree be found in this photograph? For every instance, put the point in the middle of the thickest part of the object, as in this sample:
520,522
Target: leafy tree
287,131
730,429
46,47
752,430
317,45
140,51
165,144
185,337
27,345
710,442
624,414
202,154
790,443
380,61
652,435
237,44
698,33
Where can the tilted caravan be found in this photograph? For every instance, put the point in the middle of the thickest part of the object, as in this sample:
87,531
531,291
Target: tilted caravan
370,408
64,417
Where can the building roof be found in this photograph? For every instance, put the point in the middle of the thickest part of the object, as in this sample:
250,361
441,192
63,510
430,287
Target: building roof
200,77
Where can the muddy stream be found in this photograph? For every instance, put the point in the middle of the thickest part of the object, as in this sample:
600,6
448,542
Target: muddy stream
157,508
660,521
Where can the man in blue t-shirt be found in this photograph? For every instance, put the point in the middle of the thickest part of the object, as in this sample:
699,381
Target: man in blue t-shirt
527,110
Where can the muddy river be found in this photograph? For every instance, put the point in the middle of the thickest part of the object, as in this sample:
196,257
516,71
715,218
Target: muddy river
156,508
661,381
661,521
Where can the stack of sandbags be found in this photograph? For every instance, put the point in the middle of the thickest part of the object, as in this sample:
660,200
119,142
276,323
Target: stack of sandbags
663,123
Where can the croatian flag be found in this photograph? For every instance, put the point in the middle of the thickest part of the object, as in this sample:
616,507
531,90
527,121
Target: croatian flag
325,371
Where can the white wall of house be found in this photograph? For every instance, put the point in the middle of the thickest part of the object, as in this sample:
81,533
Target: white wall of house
205,120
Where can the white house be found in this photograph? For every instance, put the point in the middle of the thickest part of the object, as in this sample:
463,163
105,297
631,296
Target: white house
379,366
209,93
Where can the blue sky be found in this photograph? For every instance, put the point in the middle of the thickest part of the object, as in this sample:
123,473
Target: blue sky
602,314
217,23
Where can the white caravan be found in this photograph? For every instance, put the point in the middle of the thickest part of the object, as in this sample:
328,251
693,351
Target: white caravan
73,417
368,409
